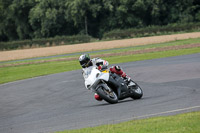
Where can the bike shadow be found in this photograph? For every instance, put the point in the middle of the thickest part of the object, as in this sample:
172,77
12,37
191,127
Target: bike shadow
108,104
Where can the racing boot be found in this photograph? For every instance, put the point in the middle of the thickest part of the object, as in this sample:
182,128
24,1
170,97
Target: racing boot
127,79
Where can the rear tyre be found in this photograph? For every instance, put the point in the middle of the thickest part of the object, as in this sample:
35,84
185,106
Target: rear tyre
107,94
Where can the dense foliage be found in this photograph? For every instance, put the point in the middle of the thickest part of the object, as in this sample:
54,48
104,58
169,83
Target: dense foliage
151,31
31,19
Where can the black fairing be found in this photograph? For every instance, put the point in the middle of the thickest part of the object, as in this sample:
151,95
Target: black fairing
117,84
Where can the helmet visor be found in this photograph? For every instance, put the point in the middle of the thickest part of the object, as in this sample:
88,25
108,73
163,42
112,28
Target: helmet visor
85,63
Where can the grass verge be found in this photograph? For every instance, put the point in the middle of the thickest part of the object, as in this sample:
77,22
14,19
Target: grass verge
182,123
116,50
9,74
13,73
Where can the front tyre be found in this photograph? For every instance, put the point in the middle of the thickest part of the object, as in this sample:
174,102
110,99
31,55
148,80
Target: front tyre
137,92
107,94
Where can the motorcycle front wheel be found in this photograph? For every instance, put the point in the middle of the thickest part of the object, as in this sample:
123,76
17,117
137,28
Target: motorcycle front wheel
137,92
107,94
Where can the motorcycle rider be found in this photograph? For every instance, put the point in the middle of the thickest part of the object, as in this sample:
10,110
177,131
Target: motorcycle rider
86,62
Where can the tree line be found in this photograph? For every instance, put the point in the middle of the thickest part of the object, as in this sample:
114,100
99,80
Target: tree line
31,19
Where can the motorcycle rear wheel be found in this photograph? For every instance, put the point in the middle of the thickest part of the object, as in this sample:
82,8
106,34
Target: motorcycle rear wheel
107,94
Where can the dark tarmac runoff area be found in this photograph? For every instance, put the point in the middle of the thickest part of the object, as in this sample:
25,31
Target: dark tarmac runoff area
60,101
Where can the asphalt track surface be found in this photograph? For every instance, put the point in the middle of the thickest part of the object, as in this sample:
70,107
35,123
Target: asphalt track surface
59,101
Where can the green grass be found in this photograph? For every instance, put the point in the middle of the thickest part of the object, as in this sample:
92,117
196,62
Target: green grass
182,123
9,74
154,55
27,71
